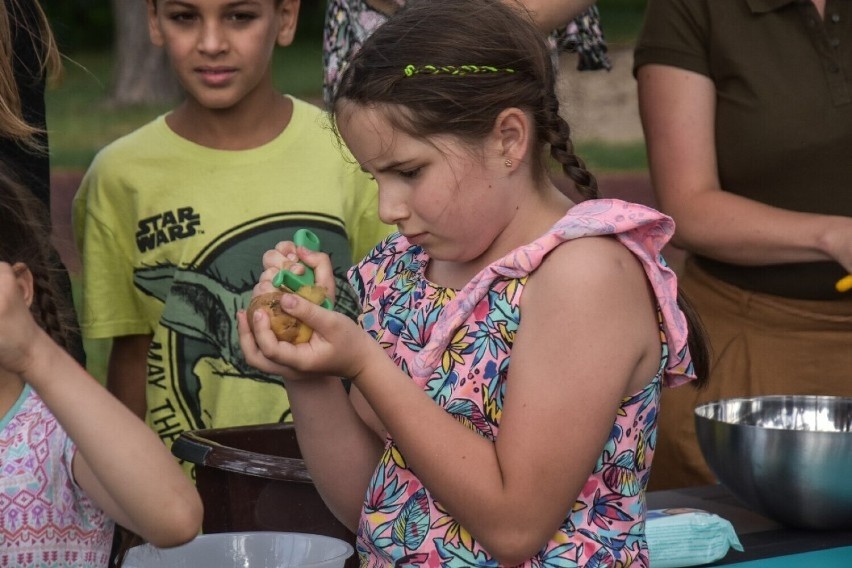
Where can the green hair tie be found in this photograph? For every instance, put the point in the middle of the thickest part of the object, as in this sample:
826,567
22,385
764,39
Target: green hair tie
459,71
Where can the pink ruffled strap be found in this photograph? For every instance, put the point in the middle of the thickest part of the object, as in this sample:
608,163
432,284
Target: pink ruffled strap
643,230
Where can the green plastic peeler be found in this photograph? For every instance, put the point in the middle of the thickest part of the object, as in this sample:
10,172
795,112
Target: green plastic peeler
308,239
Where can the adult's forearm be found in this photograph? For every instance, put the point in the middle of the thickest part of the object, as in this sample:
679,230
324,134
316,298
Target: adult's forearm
678,111
734,229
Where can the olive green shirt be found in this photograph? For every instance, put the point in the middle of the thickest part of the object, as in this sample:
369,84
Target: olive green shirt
783,78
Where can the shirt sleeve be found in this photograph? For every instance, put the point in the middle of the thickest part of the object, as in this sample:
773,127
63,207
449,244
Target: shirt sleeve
675,33
103,231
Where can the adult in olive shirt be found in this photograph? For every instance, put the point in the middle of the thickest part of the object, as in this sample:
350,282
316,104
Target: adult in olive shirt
747,112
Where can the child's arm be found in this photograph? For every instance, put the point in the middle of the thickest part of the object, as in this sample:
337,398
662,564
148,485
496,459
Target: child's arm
339,436
121,464
339,449
588,338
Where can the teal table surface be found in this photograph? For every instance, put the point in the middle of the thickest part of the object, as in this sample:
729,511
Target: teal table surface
831,558
766,543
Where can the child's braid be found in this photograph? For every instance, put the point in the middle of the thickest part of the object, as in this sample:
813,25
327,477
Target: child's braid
558,134
25,238
46,309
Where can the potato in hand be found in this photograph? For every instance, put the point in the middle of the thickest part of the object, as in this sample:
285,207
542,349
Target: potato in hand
286,327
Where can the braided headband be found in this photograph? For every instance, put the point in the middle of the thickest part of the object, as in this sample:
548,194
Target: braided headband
461,70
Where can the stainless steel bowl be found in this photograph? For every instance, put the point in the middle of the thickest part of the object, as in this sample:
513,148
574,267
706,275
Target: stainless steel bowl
787,457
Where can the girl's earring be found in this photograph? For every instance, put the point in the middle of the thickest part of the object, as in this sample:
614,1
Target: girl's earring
508,163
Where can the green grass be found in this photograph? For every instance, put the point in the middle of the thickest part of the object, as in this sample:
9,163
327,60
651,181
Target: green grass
613,157
81,122
621,20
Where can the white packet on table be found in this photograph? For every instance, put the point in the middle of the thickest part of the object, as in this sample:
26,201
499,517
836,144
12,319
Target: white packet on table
679,537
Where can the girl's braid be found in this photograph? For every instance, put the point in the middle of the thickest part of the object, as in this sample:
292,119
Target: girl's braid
557,133
46,308
25,238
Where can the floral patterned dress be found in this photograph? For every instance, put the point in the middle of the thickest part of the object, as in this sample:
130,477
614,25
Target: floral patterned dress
457,346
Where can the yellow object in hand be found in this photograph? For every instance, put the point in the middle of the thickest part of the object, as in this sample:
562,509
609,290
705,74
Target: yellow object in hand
844,284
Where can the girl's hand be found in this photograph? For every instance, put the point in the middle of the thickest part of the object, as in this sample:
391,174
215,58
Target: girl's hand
338,347
287,256
18,329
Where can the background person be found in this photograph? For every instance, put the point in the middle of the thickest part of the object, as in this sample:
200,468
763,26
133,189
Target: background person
747,112
73,458
172,219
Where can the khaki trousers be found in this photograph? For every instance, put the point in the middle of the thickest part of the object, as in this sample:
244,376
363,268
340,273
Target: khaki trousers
761,345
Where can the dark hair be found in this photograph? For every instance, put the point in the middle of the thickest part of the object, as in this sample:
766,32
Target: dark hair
476,33
25,237
697,340
500,37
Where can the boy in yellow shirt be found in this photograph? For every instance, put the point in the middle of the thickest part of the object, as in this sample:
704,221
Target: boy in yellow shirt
171,219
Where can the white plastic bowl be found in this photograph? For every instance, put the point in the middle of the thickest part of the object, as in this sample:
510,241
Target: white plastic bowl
245,550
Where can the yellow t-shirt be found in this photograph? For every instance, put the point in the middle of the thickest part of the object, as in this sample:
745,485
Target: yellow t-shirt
171,236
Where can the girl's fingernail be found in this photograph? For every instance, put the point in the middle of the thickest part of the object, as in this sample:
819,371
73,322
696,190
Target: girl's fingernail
287,301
